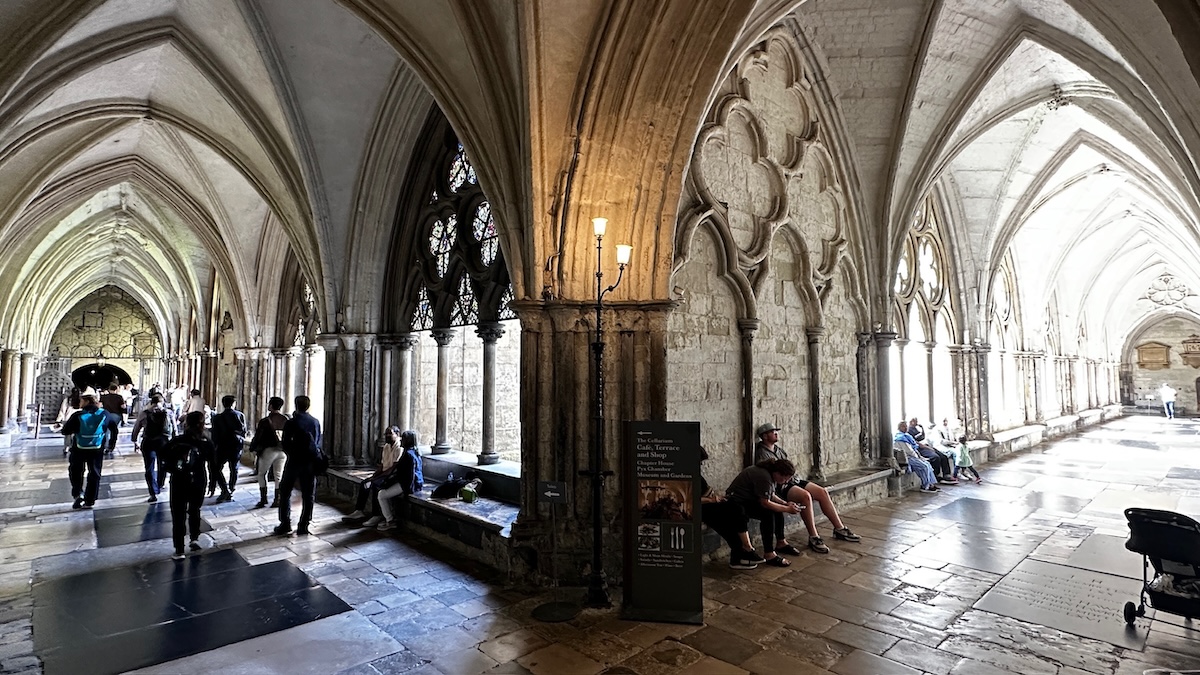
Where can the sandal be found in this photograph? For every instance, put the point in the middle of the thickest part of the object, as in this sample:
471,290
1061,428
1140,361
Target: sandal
788,550
779,562
845,534
817,545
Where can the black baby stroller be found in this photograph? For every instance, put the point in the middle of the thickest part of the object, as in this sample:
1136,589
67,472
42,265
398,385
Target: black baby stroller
1171,543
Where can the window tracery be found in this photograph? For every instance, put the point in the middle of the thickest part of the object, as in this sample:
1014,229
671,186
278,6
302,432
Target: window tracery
441,242
423,315
466,307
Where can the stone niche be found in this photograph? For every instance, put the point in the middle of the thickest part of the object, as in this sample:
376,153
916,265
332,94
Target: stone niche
1153,356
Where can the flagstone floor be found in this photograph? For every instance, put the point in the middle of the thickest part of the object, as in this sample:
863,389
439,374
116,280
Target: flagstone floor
1025,573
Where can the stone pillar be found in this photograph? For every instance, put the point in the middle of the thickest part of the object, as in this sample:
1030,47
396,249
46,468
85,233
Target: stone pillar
748,328
208,375
243,359
867,403
557,413
443,337
404,394
979,385
314,380
883,391
815,333
287,388
902,373
348,422
489,332
385,385
929,383
7,385
28,363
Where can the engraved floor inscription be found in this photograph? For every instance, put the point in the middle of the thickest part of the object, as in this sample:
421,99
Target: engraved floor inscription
1076,601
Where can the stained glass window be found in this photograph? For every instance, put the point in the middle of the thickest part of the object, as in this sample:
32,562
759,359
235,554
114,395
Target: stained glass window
484,229
506,312
466,306
423,314
441,242
433,198
461,171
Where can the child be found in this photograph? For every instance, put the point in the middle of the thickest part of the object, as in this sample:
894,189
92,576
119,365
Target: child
965,463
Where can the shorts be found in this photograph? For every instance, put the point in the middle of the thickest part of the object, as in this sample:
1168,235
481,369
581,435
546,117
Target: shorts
782,490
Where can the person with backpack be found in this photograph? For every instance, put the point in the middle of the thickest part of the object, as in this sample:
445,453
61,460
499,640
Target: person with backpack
156,424
186,457
90,427
267,445
302,445
229,435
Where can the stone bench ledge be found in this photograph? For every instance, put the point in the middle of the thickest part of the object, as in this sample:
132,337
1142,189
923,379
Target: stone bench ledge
1018,432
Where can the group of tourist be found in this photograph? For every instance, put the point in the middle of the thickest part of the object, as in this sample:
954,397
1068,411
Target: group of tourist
196,459
768,490
937,457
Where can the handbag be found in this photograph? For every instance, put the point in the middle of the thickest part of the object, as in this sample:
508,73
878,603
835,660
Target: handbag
320,464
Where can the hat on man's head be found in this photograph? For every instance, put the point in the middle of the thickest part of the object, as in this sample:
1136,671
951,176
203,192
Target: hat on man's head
764,428
89,393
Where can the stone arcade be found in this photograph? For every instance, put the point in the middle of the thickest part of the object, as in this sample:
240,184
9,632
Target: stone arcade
842,213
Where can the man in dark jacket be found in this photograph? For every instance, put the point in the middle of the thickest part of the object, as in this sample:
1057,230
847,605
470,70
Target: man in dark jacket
229,435
156,424
301,444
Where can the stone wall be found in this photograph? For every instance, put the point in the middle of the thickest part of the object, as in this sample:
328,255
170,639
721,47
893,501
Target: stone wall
111,320
1184,378
704,360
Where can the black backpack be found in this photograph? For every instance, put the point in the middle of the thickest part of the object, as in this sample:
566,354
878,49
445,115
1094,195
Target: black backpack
156,423
183,455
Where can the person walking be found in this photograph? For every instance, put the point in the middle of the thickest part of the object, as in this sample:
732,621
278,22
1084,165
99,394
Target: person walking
267,445
187,456
302,445
229,436
1167,393
89,427
156,424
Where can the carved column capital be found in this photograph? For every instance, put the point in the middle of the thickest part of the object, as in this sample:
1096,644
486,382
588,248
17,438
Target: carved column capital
490,331
884,339
443,336
815,334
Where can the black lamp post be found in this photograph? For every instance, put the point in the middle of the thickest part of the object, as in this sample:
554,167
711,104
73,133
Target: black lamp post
597,591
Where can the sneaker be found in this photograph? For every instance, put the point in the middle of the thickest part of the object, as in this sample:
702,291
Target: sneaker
282,530
225,497
978,481
929,488
195,545
751,556
152,499
177,555
386,525
373,521
845,534
737,562
78,503
303,529
88,505
817,545
351,517
948,481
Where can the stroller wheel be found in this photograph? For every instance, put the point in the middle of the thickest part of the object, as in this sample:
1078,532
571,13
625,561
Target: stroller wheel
1131,613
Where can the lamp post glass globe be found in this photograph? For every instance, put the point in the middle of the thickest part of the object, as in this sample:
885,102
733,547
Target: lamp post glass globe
599,225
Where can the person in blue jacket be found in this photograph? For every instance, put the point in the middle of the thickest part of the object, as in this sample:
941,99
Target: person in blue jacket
302,445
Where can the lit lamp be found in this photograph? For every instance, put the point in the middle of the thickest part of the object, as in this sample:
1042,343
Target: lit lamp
597,592
100,360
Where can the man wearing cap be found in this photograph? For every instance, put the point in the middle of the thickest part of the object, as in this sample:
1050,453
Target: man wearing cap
801,492
90,427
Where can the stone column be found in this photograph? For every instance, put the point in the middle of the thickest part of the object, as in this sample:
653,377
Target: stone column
489,332
902,373
244,359
28,362
867,403
748,328
814,334
443,337
314,380
7,385
387,346
287,388
979,384
883,391
557,413
929,383
404,379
